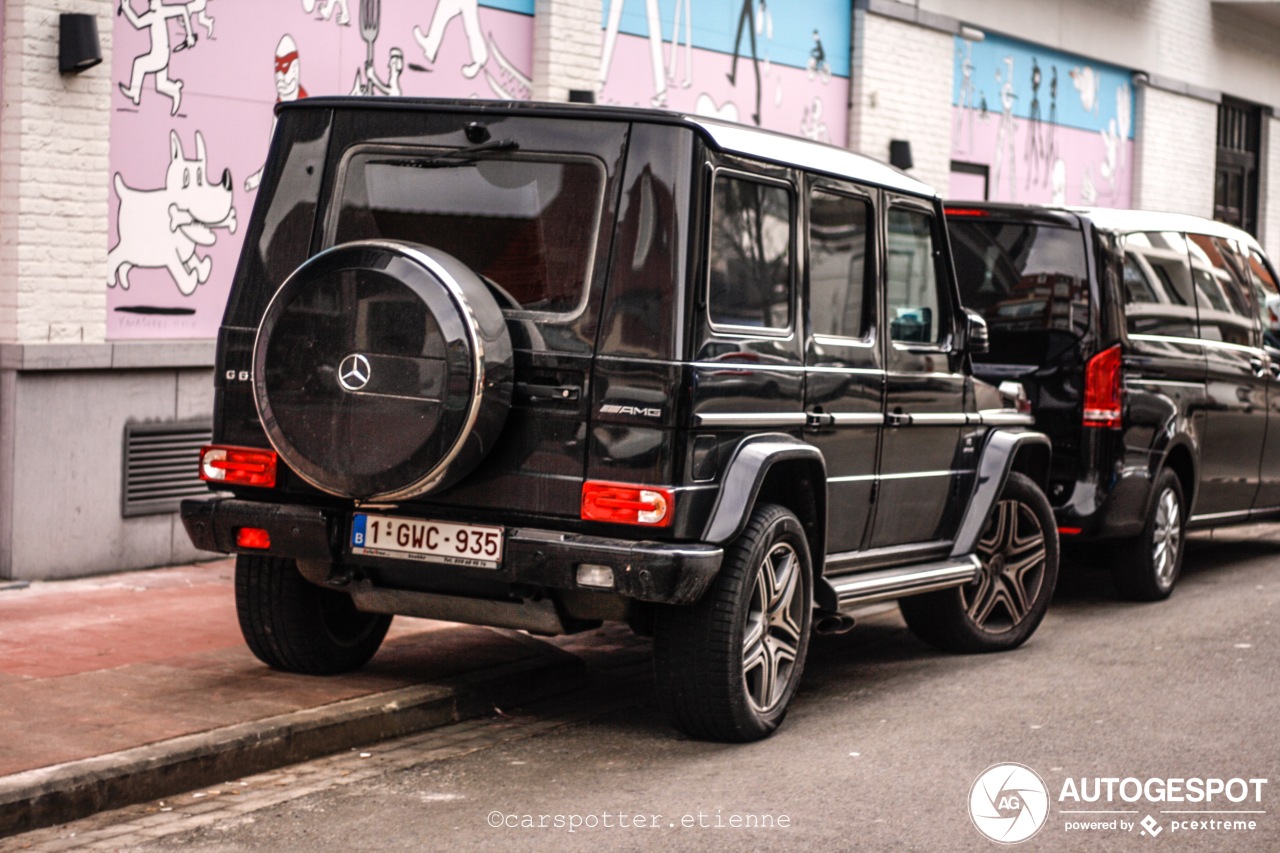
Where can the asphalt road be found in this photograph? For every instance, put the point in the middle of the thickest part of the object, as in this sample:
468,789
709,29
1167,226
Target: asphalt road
881,748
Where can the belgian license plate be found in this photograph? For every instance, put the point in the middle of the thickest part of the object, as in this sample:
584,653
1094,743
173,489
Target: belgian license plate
426,541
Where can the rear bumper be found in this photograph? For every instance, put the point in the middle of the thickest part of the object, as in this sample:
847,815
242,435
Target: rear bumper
660,572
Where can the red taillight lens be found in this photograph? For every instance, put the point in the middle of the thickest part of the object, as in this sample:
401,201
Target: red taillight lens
253,537
240,466
1102,387
965,211
623,503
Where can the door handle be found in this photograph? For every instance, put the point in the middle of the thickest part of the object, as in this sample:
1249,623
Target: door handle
897,419
1275,369
1259,366
817,419
534,392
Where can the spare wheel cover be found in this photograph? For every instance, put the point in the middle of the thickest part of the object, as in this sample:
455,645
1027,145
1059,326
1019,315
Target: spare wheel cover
382,370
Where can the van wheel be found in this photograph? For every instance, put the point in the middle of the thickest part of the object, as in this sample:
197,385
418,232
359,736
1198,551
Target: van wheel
1005,603
1146,568
727,667
293,625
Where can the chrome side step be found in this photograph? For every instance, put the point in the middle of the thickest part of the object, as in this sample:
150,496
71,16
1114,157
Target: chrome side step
867,587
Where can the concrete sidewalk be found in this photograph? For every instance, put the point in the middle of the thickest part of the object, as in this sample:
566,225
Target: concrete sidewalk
133,686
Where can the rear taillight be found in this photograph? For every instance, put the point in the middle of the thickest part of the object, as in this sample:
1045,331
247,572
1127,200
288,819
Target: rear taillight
965,211
1102,387
238,466
623,503
253,537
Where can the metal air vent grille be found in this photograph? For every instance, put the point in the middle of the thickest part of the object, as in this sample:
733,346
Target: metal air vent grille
161,465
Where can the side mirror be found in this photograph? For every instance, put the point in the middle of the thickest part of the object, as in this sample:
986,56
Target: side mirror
977,338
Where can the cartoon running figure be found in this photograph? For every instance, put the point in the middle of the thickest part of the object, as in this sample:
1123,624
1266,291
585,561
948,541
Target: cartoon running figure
156,60
446,11
324,10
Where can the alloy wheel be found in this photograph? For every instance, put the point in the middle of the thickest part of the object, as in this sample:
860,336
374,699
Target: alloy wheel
1012,551
1166,538
771,641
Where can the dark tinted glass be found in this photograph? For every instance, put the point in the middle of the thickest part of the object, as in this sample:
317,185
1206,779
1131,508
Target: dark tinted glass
1266,298
1222,290
911,278
750,272
1159,297
525,224
1022,277
838,264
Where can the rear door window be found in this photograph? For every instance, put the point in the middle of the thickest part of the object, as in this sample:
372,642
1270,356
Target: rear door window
1158,294
1266,297
838,242
1223,290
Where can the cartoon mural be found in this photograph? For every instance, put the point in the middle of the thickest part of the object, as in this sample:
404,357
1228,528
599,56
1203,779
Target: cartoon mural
187,103
789,73
1005,144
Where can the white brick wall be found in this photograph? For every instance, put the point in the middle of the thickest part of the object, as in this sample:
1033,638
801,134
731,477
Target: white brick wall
54,143
1175,151
566,47
1269,203
902,90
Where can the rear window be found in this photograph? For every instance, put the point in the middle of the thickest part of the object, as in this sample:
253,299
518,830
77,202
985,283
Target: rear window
1028,281
526,223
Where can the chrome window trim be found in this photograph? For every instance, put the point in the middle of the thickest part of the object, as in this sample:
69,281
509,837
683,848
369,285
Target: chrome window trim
751,419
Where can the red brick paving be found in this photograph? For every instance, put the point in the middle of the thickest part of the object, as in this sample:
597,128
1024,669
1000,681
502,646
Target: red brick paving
93,666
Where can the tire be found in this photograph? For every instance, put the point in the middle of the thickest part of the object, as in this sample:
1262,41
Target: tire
1147,567
713,659
382,370
293,625
1005,604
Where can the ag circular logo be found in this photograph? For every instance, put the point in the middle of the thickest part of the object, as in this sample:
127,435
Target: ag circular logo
1008,803
354,372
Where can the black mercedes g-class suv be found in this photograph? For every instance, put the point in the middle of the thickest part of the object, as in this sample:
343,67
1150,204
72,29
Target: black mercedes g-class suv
539,366
1148,345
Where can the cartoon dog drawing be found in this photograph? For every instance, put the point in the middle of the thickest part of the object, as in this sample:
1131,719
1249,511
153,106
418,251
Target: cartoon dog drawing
163,227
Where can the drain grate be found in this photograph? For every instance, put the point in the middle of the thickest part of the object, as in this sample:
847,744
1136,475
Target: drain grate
161,465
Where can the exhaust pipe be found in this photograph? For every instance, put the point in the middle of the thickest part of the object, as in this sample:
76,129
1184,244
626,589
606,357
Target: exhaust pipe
828,623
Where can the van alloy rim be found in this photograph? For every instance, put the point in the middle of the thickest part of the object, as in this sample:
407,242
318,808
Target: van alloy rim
1166,538
1013,552
771,641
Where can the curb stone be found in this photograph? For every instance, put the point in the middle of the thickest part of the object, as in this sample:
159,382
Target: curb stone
65,792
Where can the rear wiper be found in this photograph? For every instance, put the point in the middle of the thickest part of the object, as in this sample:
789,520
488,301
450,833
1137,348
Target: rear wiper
455,157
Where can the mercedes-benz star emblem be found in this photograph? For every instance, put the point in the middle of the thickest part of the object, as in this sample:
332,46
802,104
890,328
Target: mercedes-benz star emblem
354,372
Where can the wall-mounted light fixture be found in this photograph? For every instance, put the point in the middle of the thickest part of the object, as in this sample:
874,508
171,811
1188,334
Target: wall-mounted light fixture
78,47
969,33
582,96
900,154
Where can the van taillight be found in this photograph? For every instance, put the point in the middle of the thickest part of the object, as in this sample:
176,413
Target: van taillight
1102,386
241,466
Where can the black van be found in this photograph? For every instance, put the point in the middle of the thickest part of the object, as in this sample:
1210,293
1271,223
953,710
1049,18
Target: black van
1149,345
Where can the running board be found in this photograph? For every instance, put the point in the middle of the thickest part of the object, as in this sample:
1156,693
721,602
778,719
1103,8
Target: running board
869,587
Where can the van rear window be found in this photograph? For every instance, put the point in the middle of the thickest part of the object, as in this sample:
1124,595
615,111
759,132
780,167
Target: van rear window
1024,279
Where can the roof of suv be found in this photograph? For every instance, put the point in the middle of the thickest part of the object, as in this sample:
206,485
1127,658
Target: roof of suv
725,136
1111,219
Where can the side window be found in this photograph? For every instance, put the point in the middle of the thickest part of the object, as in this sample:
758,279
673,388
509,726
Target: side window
1266,297
912,301
838,264
750,265
1159,298
1222,290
